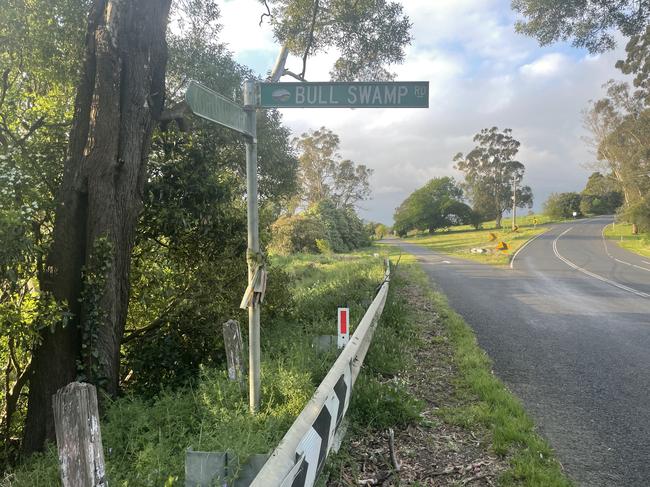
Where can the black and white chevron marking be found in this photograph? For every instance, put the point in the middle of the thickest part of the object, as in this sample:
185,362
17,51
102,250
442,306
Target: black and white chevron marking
316,444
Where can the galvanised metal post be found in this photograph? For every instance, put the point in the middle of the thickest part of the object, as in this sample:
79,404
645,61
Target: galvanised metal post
250,106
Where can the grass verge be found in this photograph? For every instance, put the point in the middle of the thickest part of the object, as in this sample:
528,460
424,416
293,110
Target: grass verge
459,240
470,427
621,233
145,441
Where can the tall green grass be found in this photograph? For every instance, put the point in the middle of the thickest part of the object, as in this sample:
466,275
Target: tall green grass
145,441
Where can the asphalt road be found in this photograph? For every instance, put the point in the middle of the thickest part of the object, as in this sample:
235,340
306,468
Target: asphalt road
568,329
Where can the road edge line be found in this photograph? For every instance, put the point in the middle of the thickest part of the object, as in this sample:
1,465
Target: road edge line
575,266
602,233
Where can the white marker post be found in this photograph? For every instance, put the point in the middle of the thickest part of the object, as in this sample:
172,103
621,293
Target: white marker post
344,328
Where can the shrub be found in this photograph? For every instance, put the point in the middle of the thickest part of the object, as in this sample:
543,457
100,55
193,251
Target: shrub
562,205
296,233
322,228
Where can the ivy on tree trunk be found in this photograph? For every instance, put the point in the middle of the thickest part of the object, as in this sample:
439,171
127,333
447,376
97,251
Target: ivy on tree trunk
120,95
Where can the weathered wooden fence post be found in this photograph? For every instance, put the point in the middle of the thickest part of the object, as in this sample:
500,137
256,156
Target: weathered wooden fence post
234,350
78,436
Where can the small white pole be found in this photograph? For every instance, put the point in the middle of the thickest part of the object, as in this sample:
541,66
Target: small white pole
343,327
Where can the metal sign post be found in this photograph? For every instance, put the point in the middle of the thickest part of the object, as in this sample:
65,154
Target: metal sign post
221,110
218,109
250,107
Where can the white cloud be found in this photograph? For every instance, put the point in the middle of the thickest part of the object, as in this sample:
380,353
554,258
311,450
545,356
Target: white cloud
241,29
547,65
481,74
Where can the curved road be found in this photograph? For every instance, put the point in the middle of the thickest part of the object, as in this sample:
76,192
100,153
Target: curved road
568,329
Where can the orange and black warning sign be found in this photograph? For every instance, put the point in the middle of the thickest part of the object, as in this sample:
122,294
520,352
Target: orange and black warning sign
503,246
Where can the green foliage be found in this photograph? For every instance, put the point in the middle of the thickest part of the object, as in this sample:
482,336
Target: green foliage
562,205
322,228
367,35
436,205
297,233
40,50
490,170
145,439
589,23
188,268
639,213
377,231
94,280
600,196
344,229
638,61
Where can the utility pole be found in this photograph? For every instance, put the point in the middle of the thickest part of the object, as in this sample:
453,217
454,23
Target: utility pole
514,202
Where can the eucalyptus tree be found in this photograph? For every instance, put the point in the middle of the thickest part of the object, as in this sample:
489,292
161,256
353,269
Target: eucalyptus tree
325,175
121,94
491,171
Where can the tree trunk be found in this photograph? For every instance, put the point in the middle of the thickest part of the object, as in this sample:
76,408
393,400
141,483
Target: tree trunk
498,220
120,94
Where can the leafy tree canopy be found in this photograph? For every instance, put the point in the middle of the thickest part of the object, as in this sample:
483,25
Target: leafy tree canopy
588,23
601,195
368,34
562,205
438,204
638,62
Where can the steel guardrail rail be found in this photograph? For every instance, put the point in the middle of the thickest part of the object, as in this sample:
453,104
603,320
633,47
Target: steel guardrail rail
301,454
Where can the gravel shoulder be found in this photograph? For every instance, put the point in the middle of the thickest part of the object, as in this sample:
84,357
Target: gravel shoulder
471,430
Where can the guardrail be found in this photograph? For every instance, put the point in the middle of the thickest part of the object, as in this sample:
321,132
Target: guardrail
301,454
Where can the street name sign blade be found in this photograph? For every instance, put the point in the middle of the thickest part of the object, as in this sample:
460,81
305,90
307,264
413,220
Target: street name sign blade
212,106
396,94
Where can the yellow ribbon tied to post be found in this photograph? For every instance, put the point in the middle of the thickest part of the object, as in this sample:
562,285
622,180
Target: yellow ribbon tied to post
256,288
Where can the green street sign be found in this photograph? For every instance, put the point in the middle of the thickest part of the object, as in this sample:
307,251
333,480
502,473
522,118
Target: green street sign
398,94
217,108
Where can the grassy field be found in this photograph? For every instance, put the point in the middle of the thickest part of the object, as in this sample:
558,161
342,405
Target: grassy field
459,240
621,233
438,352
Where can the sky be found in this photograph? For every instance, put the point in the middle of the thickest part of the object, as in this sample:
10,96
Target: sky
481,74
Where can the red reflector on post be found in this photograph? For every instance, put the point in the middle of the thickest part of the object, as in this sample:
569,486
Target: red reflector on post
343,335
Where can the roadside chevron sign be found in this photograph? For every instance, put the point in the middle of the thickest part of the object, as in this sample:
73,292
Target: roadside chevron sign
316,444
